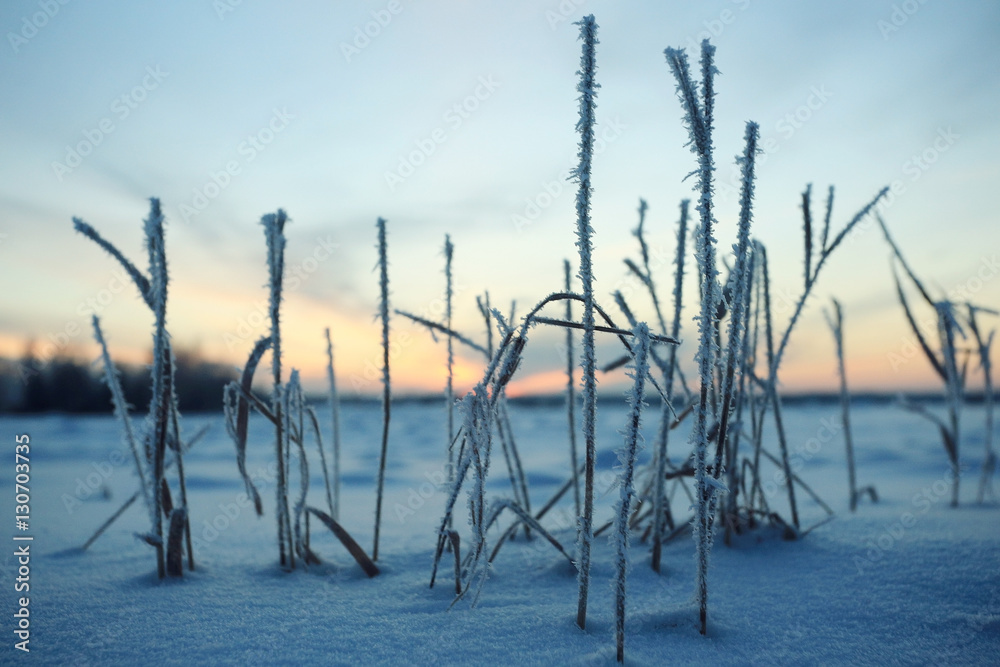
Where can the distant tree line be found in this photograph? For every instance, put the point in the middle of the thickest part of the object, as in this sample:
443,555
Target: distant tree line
64,384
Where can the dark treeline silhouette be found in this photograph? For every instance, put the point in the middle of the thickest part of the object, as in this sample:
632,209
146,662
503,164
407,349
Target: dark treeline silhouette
63,384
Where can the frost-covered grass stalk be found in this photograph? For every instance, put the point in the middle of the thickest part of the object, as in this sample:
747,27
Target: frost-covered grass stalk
739,280
383,263
626,456
571,393
335,415
113,380
294,413
660,503
449,391
587,88
274,235
698,117
161,401
734,474
163,409
836,323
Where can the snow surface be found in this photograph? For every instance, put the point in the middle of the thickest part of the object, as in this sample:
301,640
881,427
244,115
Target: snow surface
906,581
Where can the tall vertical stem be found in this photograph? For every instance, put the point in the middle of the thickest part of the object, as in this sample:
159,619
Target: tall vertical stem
274,225
587,88
386,390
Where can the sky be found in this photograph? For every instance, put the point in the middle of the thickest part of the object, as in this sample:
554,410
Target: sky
458,118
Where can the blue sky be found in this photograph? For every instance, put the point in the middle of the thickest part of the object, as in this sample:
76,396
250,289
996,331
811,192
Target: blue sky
458,117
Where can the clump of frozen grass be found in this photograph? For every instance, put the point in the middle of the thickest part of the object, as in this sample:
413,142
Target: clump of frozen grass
504,430
626,456
483,412
162,430
383,264
291,417
587,88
